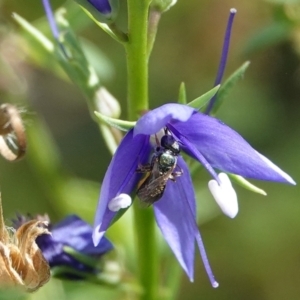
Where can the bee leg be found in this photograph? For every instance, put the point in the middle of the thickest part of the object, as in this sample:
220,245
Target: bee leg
176,174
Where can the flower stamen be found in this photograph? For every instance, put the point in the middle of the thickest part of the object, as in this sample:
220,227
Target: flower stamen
223,59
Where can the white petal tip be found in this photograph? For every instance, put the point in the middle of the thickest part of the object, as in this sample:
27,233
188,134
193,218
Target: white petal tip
233,10
225,195
119,202
291,181
97,235
215,284
232,214
284,175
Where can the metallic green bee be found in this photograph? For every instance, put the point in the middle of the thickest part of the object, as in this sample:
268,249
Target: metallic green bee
159,171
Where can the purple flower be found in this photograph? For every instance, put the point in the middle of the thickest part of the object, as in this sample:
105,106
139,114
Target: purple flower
208,140
74,233
102,6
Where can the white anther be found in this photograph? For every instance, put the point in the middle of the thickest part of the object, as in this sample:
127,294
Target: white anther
121,201
224,195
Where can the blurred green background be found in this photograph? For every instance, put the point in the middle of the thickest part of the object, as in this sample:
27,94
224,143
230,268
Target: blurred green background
254,256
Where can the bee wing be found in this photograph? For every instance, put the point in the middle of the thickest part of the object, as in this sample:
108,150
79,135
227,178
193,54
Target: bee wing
152,188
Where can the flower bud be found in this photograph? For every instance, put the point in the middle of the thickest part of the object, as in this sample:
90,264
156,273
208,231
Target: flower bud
107,104
104,11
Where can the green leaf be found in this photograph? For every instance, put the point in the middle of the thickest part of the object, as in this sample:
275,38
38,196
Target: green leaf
182,94
246,184
204,99
120,124
228,85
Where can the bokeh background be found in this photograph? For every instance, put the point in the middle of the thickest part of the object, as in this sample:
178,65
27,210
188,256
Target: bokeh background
254,256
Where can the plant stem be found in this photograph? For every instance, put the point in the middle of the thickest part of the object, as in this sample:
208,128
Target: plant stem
137,64
137,59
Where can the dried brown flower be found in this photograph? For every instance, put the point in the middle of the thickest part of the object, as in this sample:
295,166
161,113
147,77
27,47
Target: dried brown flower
12,133
22,264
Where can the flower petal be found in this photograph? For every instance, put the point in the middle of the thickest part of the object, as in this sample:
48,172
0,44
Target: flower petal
174,221
120,177
225,149
156,119
175,214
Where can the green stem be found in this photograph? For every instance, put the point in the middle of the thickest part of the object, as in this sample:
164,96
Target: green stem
147,252
137,59
137,67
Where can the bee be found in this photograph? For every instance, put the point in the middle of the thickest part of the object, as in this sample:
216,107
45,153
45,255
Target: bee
161,168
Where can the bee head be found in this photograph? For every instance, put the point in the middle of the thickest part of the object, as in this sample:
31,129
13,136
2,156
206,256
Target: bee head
169,142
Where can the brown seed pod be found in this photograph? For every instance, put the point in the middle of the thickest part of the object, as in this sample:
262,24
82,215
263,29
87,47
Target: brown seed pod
22,264
12,133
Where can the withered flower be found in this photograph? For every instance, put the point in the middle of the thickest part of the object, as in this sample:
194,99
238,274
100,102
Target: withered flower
22,264
69,249
12,133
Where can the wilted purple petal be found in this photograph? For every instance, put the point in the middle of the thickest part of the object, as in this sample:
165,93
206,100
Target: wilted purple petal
156,119
76,233
102,6
120,177
225,149
174,221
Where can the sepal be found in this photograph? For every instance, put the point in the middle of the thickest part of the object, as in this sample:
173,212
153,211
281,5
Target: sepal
246,184
182,99
119,124
228,85
201,101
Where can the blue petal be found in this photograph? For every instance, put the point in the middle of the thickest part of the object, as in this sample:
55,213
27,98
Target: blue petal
120,177
156,119
226,150
174,220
